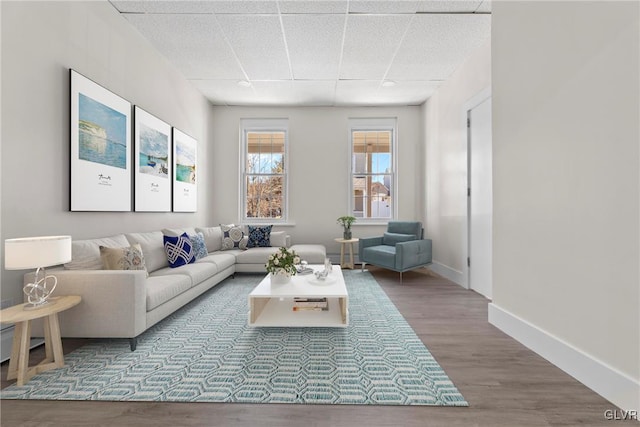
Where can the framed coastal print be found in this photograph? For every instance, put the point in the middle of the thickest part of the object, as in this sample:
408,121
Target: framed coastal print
152,163
100,148
185,180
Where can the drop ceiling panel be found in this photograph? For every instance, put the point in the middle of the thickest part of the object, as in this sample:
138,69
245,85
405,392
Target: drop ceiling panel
383,6
458,6
313,6
314,43
193,43
177,7
436,45
370,44
258,43
485,7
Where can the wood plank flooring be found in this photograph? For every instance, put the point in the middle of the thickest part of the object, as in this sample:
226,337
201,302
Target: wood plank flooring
505,383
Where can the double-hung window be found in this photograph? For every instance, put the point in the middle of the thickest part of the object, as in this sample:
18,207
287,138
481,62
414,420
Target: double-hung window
264,170
373,169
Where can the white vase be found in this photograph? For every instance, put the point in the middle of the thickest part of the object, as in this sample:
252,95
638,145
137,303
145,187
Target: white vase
280,279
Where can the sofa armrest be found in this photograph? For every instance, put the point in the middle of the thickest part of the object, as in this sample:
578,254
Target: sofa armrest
366,242
413,253
113,302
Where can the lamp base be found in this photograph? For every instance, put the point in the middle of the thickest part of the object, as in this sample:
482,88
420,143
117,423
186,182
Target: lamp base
34,306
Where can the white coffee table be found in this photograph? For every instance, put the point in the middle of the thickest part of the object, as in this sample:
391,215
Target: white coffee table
273,305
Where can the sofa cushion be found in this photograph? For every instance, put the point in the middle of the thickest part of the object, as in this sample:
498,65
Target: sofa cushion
259,236
313,254
199,246
127,258
392,238
152,248
179,250
178,231
223,260
256,255
278,239
233,237
212,237
198,273
161,289
86,253
382,255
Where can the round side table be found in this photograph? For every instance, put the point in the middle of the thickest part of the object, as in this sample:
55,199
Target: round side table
343,243
19,363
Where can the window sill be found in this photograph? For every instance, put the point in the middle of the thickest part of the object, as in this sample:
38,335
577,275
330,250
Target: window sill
374,222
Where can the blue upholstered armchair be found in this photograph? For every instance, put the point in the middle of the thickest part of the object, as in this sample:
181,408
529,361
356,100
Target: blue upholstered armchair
401,248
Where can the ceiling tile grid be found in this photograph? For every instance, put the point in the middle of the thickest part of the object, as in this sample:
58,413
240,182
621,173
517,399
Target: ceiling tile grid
313,52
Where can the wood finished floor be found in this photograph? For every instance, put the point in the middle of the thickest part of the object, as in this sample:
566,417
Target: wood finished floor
505,383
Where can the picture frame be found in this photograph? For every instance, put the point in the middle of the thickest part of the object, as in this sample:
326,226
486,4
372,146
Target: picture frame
153,154
100,129
185,180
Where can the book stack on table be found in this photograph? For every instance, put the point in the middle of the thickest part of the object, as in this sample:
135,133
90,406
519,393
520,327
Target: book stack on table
310,304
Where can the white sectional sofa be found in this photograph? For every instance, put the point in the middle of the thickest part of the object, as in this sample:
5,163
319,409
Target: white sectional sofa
125,303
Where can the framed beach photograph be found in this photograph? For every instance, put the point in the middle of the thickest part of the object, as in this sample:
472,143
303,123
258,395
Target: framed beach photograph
185,184
100,148
152,163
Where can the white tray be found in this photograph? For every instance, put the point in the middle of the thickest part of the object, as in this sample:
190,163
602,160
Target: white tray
327,281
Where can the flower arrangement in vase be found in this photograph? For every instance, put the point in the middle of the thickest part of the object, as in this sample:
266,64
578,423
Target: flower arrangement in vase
282,265
345,222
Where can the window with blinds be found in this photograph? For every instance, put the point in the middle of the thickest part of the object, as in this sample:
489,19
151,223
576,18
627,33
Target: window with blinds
264,173
372,193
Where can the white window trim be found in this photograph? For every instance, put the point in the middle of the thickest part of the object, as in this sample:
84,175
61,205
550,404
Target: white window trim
362,124
262,125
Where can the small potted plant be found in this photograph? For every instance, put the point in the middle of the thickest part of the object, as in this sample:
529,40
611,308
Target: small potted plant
282,265
345,222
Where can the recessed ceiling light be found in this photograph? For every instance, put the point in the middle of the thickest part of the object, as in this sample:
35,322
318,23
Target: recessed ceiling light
244,83
388,83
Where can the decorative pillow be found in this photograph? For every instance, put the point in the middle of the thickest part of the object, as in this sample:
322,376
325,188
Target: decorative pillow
233,237
198,245
178,249
86,253
259,236
278,239
392,238
212,237
127,258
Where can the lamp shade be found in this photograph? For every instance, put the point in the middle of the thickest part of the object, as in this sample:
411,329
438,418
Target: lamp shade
35,252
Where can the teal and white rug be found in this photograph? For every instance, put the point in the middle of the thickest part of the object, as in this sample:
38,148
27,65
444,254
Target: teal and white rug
205,352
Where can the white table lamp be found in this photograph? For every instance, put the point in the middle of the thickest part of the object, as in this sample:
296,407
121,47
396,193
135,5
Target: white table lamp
37,252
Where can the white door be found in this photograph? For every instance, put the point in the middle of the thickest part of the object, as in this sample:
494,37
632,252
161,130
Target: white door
480,201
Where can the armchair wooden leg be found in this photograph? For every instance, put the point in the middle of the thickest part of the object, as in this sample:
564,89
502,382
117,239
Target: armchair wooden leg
401,277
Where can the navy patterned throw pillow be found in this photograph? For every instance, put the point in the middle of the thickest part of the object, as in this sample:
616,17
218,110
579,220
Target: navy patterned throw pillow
259,237
179,250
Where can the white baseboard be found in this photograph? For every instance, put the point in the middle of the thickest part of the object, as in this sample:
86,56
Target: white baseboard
448,273
620,389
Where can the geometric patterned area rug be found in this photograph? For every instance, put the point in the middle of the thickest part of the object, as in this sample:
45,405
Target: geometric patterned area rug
205,352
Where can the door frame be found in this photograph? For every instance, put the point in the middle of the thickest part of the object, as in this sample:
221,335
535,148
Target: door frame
471,103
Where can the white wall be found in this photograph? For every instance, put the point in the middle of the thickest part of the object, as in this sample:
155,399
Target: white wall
40,42
318,167
567,187
445,128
